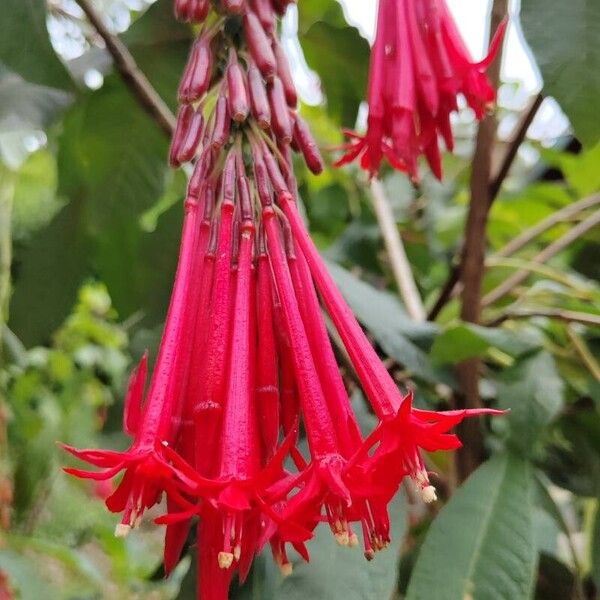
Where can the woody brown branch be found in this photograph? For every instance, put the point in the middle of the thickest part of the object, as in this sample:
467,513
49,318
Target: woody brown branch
129,71
473,267
450,287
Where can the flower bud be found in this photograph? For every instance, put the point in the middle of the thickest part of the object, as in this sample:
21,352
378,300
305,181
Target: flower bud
283,70
304,140
259,46
259,102
192,139
221,129
184,116
196,78
199,10
234,6
280,116
237,94
182,9
264,11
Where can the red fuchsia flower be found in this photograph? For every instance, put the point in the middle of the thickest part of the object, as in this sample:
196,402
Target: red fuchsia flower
151,423
419,65
333,434
397,439
245,355
234,510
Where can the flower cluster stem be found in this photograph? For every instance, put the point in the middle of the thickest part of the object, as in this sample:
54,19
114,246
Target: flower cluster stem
403,274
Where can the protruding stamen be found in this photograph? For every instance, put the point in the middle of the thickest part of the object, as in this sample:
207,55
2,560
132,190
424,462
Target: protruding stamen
225,559
428,494
122,530
237,552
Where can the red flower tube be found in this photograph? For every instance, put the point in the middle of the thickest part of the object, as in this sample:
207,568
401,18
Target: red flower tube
419,65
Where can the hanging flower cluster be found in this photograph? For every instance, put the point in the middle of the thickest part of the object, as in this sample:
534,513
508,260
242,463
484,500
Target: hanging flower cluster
419,65
245,355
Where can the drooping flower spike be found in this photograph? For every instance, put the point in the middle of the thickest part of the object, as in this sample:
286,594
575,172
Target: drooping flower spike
246,357
419,66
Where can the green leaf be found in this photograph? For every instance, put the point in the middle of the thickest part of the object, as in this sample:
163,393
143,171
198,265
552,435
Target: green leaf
464,341
47,275
35,201
23,575
563,37
534,392
457,344
335,572
114,152
25,45
573,455
341,58
481,545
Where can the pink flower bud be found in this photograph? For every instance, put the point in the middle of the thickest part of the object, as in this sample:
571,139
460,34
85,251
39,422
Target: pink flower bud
236,87
280,116
199,10
283,70
259,46
305,141
184,116
265,13
222,124
261,110
182,9
196,78
234,6
192,139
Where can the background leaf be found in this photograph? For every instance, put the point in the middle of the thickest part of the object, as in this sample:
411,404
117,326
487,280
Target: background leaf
481,545
335,572
563,37
25,46
534,392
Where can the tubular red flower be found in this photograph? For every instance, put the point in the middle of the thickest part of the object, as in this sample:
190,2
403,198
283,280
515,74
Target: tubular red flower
147,472
419,65
382,392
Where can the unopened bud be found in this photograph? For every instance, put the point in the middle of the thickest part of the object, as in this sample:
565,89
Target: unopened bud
280,116
225,560
236,87
261,110
264,12
285,74
259,46
192,139
184,117
307,145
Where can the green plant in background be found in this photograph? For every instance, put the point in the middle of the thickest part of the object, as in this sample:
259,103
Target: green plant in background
96,204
